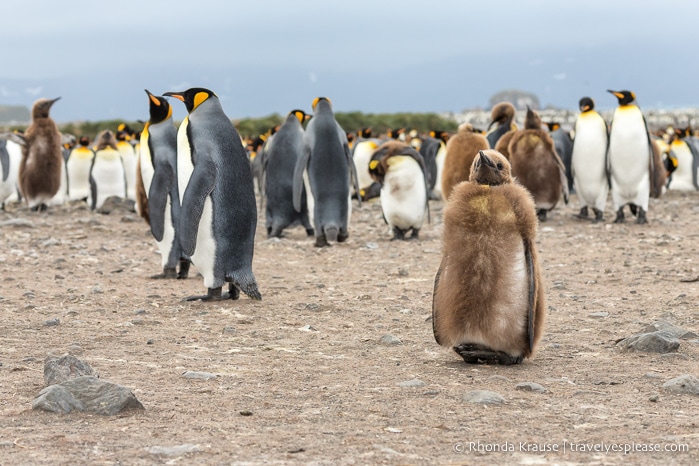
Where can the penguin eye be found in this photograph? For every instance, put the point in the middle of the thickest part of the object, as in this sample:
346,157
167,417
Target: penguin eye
499,165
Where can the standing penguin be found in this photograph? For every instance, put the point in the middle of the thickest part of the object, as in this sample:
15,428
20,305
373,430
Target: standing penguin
278,175
502,116
128,157
327,170
589,160
10,158
218,213
488,302
630,158
400,170
42,158
536,165
159,148
429,148
78,169
684,175
564,148
362,150
462,148
107,172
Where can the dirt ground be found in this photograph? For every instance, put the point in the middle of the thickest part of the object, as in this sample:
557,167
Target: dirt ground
302,376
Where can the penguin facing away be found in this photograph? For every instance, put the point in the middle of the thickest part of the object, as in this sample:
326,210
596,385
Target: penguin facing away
78,169
159,147
400,170
42,158
278,174
589,160
107,176
461,149
563,144
326,169
488,302
630,158
218,213
130,160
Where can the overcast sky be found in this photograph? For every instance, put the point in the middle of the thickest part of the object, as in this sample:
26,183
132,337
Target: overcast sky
269,56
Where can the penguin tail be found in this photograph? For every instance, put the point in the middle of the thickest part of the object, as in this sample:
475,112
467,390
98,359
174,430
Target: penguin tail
331,232
245,280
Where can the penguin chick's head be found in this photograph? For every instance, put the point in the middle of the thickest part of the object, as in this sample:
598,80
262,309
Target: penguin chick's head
491,168
586,104
317,100
159,108
624,97
192,98
532,120
105,139
41,108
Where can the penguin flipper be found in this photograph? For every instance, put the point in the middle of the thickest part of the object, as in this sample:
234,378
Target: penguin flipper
695,163
93,193
157,199
14,137
200,186
300,167
353,170
434,314
531,282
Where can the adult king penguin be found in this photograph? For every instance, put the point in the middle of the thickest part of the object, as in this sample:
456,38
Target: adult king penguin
278,175
10,158
78,168
326,169
630,158
589,160
42,158
107,177
218,213
159,147
488,302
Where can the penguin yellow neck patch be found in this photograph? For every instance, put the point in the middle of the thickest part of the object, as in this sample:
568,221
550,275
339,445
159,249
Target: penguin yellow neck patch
199,98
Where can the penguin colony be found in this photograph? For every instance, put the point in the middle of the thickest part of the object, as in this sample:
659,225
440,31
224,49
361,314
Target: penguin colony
194,186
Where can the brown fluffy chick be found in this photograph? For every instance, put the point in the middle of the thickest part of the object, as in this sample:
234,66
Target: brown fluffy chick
461,149
488,303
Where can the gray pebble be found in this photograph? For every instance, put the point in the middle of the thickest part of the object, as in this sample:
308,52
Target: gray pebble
531,387
58,369
678,332
684,384
653,398
228,330
150,342
390,340
199,375
17,222
599,314
415,383
655,342
52,322
88,394
177,450
371,245
139,312
485,397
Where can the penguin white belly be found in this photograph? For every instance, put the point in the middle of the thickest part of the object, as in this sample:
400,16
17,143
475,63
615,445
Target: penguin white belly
60,197
185,167
8,187
362,155
509,312
589,163
128,157
108,174
404,195
204,257
147,169
78,177
439,159
682,178
165,245
629,160
310,200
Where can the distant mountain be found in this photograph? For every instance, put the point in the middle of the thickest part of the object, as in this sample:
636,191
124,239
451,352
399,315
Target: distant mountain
14,115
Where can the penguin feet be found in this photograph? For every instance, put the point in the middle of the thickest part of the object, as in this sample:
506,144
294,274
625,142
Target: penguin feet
641,218
233,291
310,232
168,272
321,242
479,354
541,214
598,215
398,234
415,234
39,208
342,236
184,269
212,294
619,215
583,213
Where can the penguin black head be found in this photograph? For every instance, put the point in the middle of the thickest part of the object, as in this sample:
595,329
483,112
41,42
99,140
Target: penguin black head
300,115
553,125
586,104
41,108
122,136
321,99
490,168
624,97
158,107
84,141
192,97
365,133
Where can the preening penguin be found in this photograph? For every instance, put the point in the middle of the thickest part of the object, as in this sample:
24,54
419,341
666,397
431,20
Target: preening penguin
362,149
107,172
684,175
218,213
461,149
278,174
400,170
502,116
589,160
42,158
326,170
488,303
536,165
159,148
630,158
78,169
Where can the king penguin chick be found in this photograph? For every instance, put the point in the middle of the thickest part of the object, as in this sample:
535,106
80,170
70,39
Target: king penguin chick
536,165
589,160
630,158
461,148
400,170
488,302
326,170
502,116
218,213
42,158
107,172
278,175
159,147
78,168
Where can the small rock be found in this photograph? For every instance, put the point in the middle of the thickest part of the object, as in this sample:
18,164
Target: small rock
599,314
139,312
308,328
58,369
684,384
245,412
371,246
17,222
177,450
199,375
651,375
228,330
655,342
431,392
531,387
485,397
653,398
390,340
88,394
97,290
150,342
678,332
52,322
412,383
500,378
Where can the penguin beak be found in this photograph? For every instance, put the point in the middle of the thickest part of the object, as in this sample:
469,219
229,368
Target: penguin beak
618,95
176,95
485,160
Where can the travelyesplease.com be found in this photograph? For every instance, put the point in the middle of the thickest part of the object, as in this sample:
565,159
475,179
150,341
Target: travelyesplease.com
565,447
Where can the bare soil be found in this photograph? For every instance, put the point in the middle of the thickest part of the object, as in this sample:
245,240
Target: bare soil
302,376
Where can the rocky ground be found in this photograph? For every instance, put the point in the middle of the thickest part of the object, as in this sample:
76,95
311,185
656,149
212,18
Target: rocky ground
337,364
